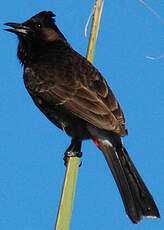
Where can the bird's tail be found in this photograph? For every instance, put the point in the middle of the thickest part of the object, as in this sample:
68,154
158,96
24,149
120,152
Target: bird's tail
137,199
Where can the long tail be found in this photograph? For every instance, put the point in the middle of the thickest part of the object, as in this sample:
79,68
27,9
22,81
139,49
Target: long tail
137,199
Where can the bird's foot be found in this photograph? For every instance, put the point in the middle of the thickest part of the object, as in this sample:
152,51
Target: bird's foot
69,154
74,150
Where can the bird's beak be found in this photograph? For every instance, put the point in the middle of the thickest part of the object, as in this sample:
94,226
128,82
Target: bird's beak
18,29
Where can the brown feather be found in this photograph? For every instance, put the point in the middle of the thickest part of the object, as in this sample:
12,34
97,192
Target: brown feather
80,88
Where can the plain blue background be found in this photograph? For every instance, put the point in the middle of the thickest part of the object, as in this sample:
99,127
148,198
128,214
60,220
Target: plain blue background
31,148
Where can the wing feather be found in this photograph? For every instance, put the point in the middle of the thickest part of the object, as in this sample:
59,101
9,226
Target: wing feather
80,88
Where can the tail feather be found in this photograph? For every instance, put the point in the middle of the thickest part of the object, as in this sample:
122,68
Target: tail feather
137,199
144,197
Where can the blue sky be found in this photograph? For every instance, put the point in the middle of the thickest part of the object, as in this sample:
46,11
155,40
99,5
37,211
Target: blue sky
31,148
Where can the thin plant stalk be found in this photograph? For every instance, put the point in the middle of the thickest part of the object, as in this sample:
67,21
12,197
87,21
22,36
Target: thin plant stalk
68,192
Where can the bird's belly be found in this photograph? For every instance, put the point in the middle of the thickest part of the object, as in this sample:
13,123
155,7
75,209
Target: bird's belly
65,120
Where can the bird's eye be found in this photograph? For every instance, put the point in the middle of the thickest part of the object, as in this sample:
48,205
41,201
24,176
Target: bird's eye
38,25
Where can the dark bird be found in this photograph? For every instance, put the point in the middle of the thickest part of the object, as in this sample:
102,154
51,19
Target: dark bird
75,97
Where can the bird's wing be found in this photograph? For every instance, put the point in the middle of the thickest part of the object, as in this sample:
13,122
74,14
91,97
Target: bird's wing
80,88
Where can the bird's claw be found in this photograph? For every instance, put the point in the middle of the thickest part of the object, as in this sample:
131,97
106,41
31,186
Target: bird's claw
69,154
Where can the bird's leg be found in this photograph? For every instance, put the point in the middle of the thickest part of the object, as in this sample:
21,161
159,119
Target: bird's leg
74,150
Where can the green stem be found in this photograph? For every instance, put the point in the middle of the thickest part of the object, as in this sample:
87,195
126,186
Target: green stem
94,29
67,197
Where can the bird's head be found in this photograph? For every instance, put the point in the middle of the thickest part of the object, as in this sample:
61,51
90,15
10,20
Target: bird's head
35,33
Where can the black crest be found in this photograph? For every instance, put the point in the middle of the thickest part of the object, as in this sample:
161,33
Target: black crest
45,16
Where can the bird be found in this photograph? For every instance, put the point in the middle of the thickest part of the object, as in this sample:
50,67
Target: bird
74,96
